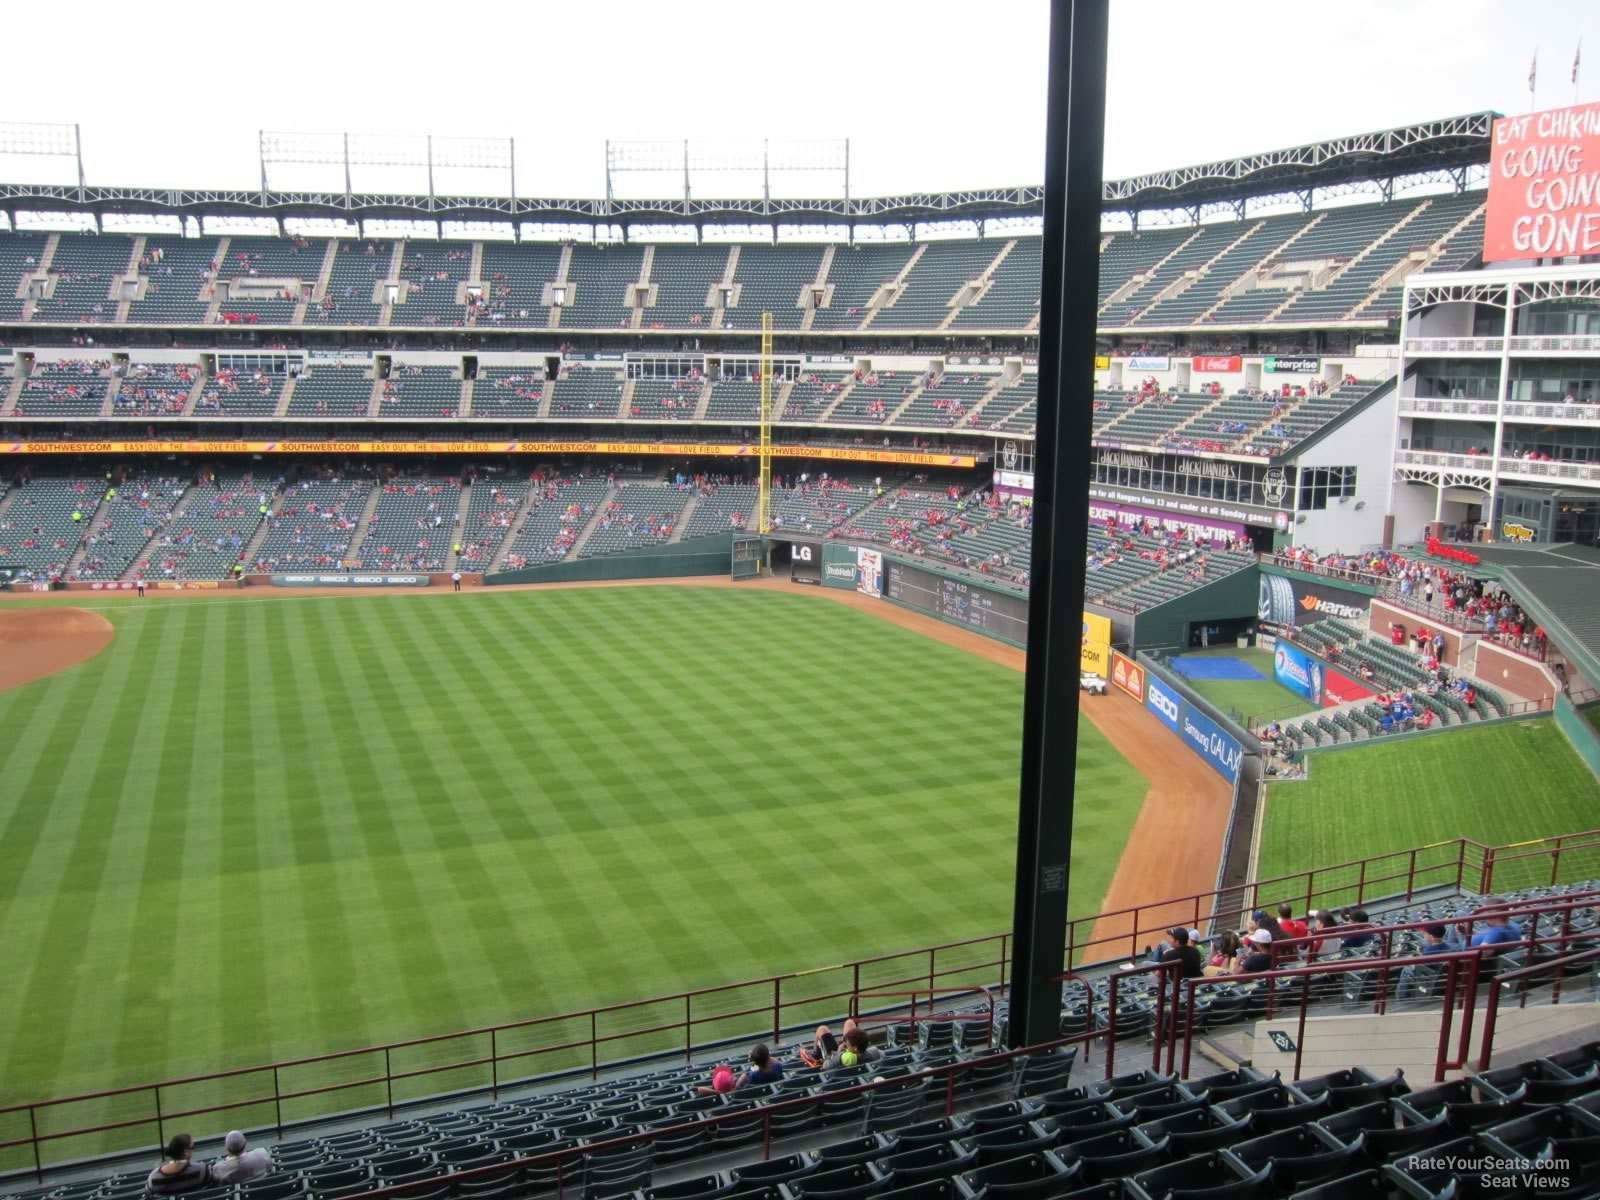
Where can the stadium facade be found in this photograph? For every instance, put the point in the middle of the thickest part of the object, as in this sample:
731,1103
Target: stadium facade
1270,349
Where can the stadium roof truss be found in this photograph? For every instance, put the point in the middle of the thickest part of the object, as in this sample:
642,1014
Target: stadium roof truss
1451,149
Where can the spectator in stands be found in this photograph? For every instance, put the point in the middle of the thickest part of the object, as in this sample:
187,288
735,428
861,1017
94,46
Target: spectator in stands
722,1080
823,1047
1261,919
1498,928
1224,956
1287,925
856,1051
1436,939
1326,921
238,1164
1257,953
178,1171
1181,951
763,1067
1356,921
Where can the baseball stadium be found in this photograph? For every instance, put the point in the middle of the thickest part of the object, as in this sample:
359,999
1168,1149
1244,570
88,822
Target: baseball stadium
506,696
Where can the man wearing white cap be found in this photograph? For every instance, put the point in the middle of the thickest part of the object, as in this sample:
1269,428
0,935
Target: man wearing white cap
1258,952
239,1165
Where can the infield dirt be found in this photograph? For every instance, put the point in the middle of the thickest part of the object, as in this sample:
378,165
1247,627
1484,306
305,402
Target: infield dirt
35,642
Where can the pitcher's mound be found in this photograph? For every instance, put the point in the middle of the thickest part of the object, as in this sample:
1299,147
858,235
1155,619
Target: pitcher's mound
35,642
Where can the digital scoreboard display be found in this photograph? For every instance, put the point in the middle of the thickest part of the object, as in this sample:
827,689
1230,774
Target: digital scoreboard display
962,602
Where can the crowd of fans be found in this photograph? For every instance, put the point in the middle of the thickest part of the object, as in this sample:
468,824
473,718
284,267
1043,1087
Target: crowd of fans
320,533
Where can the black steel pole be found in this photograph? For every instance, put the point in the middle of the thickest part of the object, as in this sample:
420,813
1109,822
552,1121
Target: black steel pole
1074,140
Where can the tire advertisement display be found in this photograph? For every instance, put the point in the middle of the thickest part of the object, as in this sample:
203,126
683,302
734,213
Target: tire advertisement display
1285,601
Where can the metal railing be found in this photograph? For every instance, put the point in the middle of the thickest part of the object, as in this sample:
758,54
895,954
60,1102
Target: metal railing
491,1059
1347,574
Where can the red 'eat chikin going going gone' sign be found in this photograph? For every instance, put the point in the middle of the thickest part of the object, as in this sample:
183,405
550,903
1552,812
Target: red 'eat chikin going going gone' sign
1544,185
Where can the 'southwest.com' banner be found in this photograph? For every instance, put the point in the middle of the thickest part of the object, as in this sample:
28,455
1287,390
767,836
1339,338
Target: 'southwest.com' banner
676,449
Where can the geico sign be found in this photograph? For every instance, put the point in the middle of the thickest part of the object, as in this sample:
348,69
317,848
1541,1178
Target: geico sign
1164,703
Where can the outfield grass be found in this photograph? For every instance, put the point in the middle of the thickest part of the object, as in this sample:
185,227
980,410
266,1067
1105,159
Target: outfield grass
1495,784
1249,697
254,830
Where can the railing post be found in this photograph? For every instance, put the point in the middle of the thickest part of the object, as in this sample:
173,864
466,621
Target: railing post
388,1083
1003,955
688,1029
161,1136
1188,1028
777,1007
1111,1023
277,1102
766,1133
1486,872
594,1045
494,1066
932,954
1490,1012
1446,1017
1300,1033
33,1136
1411,875
1469,1009
1555,863
1361,883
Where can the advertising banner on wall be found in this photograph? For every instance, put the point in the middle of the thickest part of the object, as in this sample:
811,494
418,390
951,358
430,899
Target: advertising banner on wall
1544,169
1285,601
1297,365
1102,362
869,572
1218,364
356,582
1222,753
1127,674
838,566
805,562
1149,362
1296,670
1163,701
1096,653
1126,514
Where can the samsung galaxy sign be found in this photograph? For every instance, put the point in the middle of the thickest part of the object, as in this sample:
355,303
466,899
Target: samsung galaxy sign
1222,753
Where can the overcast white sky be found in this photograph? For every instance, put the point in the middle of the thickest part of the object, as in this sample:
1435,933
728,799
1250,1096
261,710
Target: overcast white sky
932,95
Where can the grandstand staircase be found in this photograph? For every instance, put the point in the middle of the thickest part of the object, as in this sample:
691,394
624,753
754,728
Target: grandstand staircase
253,546
109,405
702,404
636,321
1251,274
375,400
894,413
1370,248
781,401
553,318
288,394
209,290
625,405
364,521
397,261
729,269
8,402
46,256
681,521
195,392
837,400
969,417
498,558
879,299
591,524
320,291
81,550
1138,281
1193,276
468,387
124,304
985,282
821,281
1408,266
6,497
547,393
458,528
476,273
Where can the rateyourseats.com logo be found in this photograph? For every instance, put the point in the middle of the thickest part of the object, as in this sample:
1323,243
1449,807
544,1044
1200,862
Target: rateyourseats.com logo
1512,1175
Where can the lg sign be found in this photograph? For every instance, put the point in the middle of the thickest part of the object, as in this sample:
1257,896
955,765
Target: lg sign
802,553
1544,185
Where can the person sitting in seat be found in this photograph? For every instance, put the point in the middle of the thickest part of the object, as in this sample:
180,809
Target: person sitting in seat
1258,953
1499,926
1361,934
238,1164
1436,939
855,1052
823,1047
178,1171
1224,957
763,1067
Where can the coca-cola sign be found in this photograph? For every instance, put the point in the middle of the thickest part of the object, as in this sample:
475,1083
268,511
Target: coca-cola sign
1218,364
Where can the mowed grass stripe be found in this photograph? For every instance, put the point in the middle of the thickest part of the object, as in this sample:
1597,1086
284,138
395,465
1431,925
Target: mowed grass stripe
1495,784
464,810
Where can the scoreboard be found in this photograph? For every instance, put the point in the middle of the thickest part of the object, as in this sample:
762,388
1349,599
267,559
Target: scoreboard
963,602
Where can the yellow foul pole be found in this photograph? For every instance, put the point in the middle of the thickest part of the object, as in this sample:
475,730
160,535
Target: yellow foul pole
764,492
